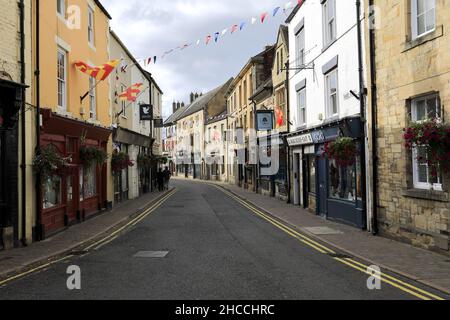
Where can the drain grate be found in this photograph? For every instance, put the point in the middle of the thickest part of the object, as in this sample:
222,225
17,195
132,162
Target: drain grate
340,256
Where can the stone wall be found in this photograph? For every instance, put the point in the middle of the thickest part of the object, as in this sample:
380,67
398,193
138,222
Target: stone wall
407,69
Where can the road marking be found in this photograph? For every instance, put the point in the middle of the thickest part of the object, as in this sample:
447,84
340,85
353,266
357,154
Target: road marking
134,221
98,244
23,274
397,283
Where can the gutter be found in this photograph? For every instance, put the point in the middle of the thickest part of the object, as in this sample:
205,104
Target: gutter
39,229
288,149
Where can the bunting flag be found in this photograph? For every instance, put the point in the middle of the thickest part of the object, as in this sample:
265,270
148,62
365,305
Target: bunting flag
154,59
224,31
234,28
99,73
275,11
149,60
242,26
198,42
131,93
216,36
208,39
263,17
279,115
254,20
288,5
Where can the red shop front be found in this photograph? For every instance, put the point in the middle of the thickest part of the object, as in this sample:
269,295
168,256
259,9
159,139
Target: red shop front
79,192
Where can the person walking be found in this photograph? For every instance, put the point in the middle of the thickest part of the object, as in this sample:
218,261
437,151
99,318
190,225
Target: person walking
160,180
167,175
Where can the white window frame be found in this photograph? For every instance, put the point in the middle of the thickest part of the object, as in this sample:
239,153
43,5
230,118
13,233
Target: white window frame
91,26
61,4
92,99
415,17
327,21
300,45
418,184
301,120
63,105
328,94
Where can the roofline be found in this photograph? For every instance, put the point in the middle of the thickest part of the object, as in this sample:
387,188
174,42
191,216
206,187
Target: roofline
103,9
133,59
294,12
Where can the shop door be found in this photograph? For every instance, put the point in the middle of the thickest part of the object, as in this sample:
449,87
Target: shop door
322,194
72,199
3,207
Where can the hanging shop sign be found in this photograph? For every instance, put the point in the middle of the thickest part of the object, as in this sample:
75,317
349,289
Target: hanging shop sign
264,120
146,112
159,123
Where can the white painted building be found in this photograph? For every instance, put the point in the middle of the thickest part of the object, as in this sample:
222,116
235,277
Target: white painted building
323,46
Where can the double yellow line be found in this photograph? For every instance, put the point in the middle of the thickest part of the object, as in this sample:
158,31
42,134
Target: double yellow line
397,283
100,243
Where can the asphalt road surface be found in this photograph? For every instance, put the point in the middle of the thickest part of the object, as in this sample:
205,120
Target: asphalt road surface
217,249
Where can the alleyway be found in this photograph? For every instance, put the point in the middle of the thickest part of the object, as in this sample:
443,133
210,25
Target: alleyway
217,249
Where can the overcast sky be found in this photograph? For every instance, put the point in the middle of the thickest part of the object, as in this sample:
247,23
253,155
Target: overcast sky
150,28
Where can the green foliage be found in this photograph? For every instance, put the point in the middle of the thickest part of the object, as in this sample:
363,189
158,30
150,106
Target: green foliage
92,155
49,162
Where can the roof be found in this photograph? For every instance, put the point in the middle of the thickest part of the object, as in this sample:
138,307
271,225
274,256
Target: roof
103,9
268,85
217,118
175,116
294,12
200,103
285,33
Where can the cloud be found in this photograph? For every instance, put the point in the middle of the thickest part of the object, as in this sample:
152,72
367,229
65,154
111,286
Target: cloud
150,28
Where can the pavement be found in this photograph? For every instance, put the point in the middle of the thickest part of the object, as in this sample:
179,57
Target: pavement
201,242
17,260
426,267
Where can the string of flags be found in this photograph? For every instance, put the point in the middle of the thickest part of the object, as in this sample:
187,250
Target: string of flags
217,35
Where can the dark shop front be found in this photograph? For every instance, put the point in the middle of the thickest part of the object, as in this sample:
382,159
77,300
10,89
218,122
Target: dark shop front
321,184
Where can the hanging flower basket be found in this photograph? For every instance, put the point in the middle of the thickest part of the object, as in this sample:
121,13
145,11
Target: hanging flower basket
120,161
435,136
92,155
49,162
343,150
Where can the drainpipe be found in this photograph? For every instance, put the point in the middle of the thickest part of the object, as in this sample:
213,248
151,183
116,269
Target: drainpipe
37,72
288,151
255,126
373,80
23,166
362,97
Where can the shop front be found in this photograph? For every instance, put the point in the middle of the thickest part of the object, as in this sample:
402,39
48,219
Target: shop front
80,191
11,94
321,184
272,174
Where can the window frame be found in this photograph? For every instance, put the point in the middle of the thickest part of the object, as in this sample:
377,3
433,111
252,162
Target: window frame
300,45
63,81
92,99
62,4
329,111
301,122
91,26
415,18
415,161
327,21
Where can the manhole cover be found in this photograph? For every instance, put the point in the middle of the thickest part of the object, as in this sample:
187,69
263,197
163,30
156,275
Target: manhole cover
151,254
321,231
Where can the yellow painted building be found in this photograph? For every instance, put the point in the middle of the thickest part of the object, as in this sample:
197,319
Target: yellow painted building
408,53
75,110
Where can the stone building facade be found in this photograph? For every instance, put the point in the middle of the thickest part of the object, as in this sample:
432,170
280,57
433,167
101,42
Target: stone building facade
410,56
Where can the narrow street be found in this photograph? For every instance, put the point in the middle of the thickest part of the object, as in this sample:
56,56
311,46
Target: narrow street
217,249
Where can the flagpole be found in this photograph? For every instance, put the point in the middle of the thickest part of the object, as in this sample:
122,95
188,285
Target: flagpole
120,113
89,91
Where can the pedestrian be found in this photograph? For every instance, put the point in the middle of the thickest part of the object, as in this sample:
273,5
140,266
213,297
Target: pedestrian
167,176
160,180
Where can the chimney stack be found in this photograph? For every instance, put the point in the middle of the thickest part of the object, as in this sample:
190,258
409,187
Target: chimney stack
192,97
174,107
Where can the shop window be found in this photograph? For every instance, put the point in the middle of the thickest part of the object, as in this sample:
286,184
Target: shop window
312,174
90,182
52,192
342,182
423,17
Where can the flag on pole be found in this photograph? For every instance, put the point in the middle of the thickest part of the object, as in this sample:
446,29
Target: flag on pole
100,73
279,117
131,93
